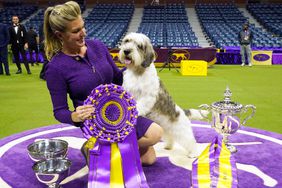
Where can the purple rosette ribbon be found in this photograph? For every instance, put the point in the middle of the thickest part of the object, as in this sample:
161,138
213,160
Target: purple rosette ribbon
114,160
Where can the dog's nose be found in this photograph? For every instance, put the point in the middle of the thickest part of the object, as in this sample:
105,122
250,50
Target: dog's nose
126,52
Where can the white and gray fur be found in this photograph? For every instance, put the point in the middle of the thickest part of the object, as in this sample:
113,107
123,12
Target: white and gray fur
153,100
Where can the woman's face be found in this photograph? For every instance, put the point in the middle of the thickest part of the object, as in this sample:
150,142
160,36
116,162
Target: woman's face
75,34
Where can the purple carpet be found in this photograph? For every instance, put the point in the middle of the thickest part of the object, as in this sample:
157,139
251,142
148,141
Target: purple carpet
259,159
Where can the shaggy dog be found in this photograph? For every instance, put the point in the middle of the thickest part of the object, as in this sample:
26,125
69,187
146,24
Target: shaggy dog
153,101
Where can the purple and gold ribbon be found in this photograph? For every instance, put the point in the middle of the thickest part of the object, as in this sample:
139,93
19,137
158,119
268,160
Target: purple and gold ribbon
114,160
215,167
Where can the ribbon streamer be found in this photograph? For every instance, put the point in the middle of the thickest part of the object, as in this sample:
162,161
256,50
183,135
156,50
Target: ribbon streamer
215,167
116,163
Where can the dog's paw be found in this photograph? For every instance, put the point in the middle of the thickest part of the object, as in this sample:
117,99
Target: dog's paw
196,151
193,155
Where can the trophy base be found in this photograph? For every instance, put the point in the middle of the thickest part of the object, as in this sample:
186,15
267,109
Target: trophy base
231,148
225,139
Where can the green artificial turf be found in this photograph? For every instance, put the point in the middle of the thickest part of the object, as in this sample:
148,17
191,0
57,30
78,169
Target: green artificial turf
257,85
25,102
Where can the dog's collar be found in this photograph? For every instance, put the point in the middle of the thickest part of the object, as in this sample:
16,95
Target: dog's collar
144,64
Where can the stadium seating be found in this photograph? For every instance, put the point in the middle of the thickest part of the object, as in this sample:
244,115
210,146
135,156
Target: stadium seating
167,26
222,23
109,22
269,15
22,11
36,21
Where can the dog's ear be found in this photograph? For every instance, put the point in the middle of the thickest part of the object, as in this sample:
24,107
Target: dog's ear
149,54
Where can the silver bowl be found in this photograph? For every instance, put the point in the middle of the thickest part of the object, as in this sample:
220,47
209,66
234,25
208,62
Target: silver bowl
52,172
47,148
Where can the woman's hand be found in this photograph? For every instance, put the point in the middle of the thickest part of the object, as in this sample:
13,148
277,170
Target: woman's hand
81,113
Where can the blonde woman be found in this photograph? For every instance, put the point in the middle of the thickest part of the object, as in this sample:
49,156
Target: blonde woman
77,66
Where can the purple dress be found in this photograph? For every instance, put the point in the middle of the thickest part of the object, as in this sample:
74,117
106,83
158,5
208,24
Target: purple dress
77,77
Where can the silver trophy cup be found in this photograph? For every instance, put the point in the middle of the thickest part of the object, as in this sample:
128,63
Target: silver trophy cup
227,116
52,171
47,148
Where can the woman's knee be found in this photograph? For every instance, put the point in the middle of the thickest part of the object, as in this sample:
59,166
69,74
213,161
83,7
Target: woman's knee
154,133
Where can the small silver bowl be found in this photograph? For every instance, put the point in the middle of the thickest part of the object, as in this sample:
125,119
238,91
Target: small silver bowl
52,172
47,148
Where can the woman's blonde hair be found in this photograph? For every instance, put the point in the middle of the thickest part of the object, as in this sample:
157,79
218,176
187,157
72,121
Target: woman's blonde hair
56,19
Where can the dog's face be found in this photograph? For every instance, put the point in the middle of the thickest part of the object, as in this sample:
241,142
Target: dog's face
136,50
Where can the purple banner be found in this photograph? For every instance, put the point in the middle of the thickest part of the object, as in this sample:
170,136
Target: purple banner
231,55
176,55
40,57
277,58
235,58
228,58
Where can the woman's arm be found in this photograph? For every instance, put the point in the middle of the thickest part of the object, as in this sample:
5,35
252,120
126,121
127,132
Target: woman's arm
58,91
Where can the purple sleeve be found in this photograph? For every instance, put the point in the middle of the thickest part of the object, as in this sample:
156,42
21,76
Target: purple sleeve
58,91
142,126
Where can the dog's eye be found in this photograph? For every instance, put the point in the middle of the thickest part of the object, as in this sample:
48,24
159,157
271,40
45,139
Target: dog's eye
126,41
140,47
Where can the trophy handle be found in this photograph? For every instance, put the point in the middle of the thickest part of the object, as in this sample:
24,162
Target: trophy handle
55,178
245,109
204,107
